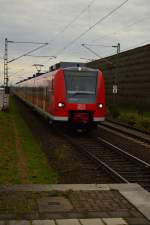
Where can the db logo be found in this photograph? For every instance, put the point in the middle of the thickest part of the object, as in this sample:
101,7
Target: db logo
81,107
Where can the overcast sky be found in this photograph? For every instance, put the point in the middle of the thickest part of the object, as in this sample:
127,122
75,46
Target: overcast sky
62,22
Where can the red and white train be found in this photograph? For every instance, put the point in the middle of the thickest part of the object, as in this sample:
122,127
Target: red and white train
69,92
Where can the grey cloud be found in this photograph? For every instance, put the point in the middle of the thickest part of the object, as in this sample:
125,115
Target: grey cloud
35,20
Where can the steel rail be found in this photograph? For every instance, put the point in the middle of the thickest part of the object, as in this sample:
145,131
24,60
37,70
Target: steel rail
99,161
125,152
128,126
107,166
125,132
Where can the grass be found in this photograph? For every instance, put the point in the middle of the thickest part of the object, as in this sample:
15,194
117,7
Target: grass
131,116
8,158
21,158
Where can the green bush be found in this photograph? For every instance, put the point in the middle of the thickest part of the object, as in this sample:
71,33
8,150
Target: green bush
132,116
128,118
114,112
131,119
145,123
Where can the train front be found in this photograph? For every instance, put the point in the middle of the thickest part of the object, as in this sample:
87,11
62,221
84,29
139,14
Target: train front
85,96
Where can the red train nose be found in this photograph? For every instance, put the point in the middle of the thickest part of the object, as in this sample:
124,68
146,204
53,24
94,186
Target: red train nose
80,117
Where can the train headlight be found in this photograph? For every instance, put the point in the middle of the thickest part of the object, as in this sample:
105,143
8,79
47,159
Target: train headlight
60,104
100,105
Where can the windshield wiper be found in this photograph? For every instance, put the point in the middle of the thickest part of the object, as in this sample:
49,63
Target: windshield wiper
82,93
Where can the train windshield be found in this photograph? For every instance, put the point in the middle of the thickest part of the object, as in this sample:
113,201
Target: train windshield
81,86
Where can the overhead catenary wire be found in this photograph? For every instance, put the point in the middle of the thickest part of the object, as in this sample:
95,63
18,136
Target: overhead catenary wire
72,21
41,56
77,17
138,21
125,27
106,46
136,45
33,50
25,54
27,42
89,16
6,61
91,50
94,25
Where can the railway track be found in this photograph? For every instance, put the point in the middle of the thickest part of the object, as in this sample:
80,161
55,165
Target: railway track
70,165
143,136
99,160
131,127
119,164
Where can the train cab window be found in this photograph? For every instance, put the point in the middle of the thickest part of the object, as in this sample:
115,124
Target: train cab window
81,86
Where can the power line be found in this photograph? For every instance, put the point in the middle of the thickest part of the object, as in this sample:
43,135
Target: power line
42,56
136,45
126,26
132,24
137,21
95,24
25,54
27,42
91,51
77,17
95,53
6,61
72,21
107,46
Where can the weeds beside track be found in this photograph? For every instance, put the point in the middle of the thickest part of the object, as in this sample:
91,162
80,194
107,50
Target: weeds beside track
21,159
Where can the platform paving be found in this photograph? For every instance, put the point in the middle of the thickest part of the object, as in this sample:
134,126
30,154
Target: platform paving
94,204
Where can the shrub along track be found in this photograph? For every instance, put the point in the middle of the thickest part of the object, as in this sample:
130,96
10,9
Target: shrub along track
22,161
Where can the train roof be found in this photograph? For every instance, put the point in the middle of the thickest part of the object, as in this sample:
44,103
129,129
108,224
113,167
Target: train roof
66,65
60,65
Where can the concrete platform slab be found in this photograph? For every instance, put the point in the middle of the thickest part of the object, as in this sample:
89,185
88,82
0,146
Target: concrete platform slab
43,222
115,221
54,204
55,187
19,222
81,204
68,222
91,221
2,222
141,200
